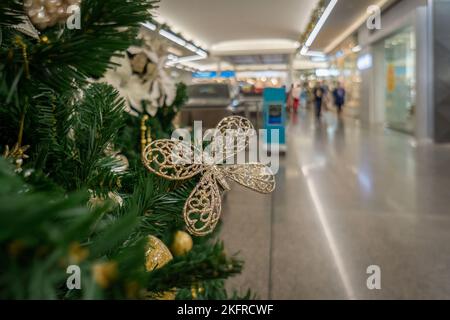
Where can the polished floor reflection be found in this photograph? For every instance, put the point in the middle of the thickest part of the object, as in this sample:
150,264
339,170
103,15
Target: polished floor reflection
347,198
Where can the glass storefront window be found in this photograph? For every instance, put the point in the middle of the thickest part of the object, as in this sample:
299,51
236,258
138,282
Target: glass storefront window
348,75
399,67
350,78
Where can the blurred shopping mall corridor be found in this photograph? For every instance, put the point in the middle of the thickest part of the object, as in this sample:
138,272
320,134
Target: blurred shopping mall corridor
347,198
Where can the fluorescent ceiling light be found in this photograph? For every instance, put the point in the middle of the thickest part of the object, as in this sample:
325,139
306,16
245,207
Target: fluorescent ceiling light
200,52
190,58
318,59
356,49
320,23
358,22
172,57
318,54
317,28
178,62
191,47
184,59
304,51
255,46
149,25
327,73
172,37
196,50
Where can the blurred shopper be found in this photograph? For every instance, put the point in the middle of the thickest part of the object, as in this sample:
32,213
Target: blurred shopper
318,94
290,99
339,97
296,97
304,96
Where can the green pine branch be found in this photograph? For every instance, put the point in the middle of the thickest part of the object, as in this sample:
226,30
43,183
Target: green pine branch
212,290
203,263
72,126
74,135
10,13
37,230
70,57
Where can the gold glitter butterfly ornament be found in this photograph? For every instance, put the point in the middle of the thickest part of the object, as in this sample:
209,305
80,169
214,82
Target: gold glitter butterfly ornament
179,160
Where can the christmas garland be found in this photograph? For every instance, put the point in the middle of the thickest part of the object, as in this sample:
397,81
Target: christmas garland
315,17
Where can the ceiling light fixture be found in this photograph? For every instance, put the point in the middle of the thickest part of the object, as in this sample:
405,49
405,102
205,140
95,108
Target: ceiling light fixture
149,25
355,25
357,49
168,35
172,57
304,51
318,54
191,47
178,62
201,53
318,27
172,37
184,59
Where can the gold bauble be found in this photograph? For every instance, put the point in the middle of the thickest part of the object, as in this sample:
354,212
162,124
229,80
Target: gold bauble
196,290
182,243
157,255
77,253
47,13
194,293
168,295
105,273
45,40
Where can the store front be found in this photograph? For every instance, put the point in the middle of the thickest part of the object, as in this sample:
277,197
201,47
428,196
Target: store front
400,80
344,64
395,72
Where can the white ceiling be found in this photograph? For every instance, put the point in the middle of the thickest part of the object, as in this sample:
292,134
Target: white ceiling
219,23
250,33
345,18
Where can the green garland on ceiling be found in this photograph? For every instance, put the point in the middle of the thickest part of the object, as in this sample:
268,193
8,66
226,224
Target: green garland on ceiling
315,17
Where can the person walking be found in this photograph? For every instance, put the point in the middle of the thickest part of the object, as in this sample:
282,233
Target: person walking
339,98
290,99
318,99
325,96
304,96
296,97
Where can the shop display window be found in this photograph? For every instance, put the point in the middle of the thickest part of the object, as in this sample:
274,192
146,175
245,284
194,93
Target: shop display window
399,79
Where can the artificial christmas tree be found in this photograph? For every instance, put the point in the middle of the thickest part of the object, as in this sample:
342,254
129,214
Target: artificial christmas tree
77,207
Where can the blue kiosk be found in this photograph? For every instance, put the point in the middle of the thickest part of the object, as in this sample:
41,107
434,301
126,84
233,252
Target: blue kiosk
274,115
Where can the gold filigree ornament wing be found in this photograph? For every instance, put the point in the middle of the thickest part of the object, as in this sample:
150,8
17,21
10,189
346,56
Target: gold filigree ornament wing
232,136
255,176
177,160
203,208
171,159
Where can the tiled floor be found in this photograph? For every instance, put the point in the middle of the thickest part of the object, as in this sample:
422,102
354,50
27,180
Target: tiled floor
347,198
